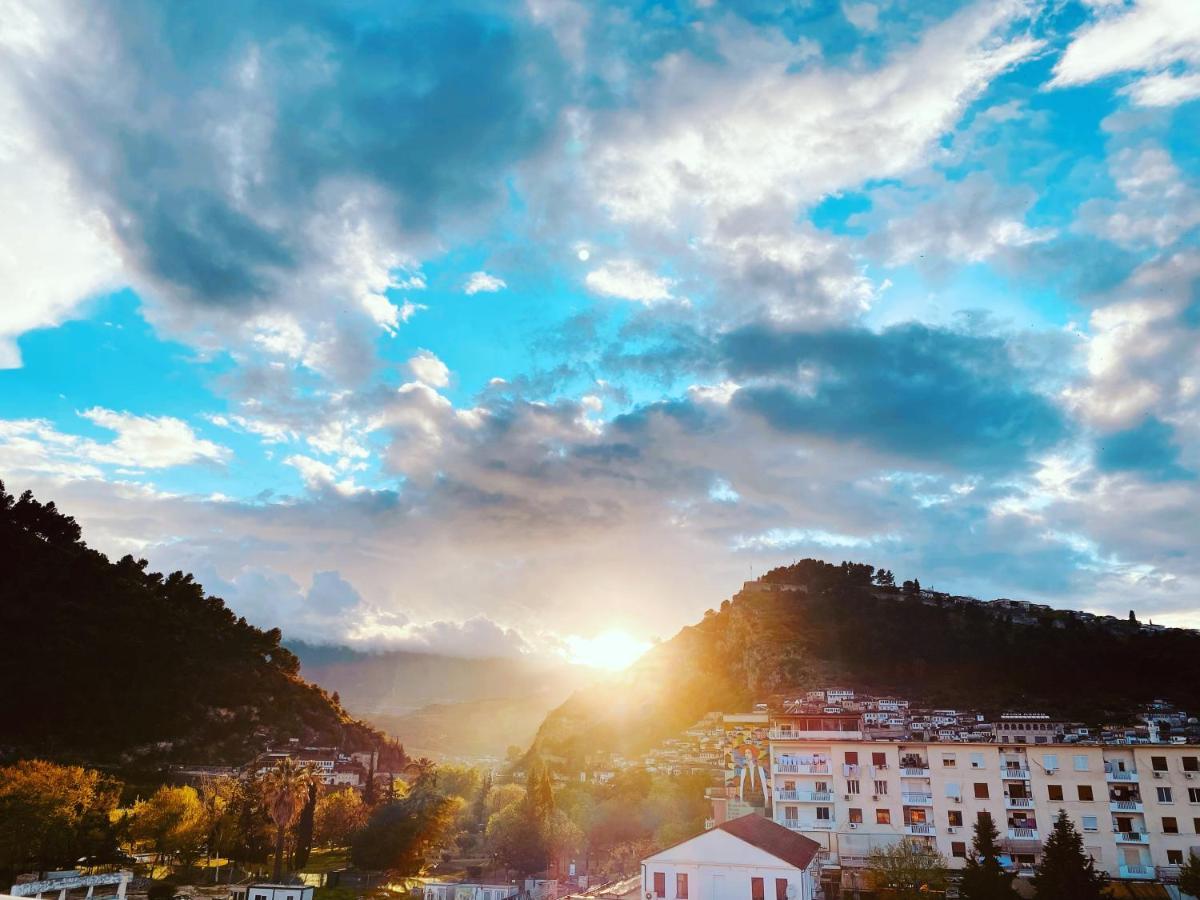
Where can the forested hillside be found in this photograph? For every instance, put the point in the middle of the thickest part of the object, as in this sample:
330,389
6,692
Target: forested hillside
108,662
846,629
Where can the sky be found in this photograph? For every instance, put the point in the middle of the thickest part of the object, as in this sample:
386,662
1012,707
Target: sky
497,328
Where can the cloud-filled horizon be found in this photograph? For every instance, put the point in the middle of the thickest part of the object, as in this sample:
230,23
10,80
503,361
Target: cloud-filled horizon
503,328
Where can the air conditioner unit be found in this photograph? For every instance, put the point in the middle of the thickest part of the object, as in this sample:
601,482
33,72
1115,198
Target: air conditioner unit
853,824
1158,774
953,829
874,796
845,796
1187,774
1051,771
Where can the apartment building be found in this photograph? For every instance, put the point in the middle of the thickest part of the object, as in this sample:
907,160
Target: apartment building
1138,807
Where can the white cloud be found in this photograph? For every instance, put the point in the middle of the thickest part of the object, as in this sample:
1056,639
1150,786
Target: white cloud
1147,36
149,442
428,369
483,283
1157,206
319,476
629,280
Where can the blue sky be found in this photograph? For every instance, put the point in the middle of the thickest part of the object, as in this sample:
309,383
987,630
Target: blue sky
491,328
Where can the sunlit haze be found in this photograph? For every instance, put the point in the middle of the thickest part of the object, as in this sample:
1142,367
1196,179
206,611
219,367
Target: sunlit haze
613,650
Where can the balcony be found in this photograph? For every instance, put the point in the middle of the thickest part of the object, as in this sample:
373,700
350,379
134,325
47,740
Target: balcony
1015,773
1128,871
1023,834
920,829
1126,806
914,772
1122,777
1133,837
785,734
789,768
804,796
812,825
1018,803
916,799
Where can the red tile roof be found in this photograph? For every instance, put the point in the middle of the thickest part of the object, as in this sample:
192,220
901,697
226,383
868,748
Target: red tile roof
771,837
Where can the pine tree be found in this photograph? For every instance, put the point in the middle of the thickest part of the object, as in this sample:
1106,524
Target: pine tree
984,878
1066,870
1189,876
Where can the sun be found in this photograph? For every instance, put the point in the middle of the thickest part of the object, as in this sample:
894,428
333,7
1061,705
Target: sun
612,649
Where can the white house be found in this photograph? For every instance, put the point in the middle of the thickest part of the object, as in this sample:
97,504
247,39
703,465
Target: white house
276,892
750,858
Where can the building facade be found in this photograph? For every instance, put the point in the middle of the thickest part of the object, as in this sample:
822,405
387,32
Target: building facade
749,858
1137,807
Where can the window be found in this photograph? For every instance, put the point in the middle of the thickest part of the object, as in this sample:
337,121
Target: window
681,886
758,889
852,757
1191,764
1175,857
954,790
1054,791
948,761
981,790
1158,763
976,760
954,818
883,817
780,889
855,814
1170,825
852,786
789,813
1085,792
881,788
1080,761
959,849
822,813
1193,795
879,759
660,884
1050,762
1090,823
1164,794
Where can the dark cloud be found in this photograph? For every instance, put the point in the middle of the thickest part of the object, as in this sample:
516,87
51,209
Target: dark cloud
1148,449
226,141
929,393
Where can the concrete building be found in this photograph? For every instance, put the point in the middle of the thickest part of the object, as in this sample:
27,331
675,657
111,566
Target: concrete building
1138,807
469,891
274,892
750,858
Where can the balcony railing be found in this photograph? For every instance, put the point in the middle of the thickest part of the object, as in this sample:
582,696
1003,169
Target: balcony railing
1015,773
1023,834
1018,802
916,799
1114,775
1131,871
914,772
1133,837
832,734
919,828
1125,805
812,825
804,796
790,768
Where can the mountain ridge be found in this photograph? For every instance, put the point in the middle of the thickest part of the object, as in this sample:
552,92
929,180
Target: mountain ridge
814,624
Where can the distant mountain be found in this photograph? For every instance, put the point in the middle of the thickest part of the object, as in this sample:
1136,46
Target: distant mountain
816,624
444,706
106,662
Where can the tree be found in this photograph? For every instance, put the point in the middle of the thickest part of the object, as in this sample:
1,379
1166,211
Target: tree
908,870
885,578
339,816
304,827
285,789
984,878
174,821
1189,875
1066,870
516,840
400,834
53,815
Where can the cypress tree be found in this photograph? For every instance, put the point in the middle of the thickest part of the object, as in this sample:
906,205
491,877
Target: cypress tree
984,878
1066,870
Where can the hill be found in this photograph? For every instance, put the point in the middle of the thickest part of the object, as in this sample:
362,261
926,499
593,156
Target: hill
442,706
814,624
107,662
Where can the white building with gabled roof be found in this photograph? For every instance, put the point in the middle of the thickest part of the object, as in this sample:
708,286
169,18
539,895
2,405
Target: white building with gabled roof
749,858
